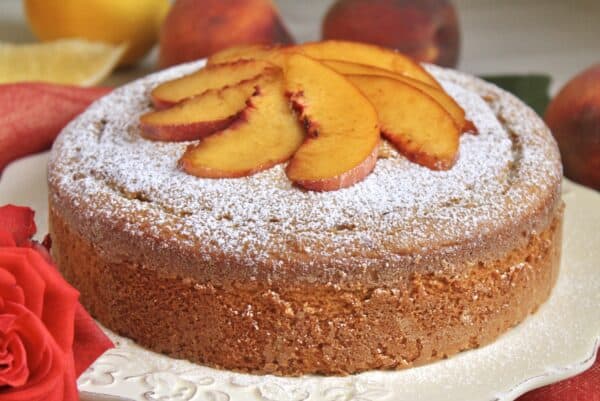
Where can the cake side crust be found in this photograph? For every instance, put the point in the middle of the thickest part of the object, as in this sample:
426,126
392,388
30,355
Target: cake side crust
302,329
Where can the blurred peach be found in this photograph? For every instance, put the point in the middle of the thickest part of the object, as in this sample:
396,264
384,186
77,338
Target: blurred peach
426,30
198,28
574,118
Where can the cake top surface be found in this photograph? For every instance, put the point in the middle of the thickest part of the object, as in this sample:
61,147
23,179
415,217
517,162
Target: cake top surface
506,174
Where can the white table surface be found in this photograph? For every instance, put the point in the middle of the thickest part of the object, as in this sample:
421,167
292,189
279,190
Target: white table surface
557,37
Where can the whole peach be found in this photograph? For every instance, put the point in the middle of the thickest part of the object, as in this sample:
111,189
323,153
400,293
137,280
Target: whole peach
574,118
197,28
426,30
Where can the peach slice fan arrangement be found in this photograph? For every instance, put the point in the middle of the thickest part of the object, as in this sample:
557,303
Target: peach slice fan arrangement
322,107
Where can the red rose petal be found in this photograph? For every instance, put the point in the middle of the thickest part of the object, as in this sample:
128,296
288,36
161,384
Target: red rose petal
14,260
47,294
13,359
9,290
46,361
6,239
60,301
90,342
34,339
18,221
69,387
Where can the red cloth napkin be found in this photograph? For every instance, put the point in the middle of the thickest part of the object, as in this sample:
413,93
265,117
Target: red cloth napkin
32,114
585,387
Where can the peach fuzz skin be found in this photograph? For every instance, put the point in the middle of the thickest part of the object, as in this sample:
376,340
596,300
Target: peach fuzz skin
574,119
427,30
197,28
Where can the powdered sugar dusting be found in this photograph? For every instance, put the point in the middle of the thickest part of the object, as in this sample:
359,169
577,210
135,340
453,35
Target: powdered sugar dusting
101,161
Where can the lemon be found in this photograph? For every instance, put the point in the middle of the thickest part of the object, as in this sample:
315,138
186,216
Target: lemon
66,61
135,22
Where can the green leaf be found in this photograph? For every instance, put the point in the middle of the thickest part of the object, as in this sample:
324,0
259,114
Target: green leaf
533,89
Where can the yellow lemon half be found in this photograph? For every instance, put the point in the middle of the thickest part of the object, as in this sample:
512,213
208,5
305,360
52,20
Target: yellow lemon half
66,61
134,22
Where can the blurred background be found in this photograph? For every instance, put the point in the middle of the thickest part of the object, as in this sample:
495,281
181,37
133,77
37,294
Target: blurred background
557,37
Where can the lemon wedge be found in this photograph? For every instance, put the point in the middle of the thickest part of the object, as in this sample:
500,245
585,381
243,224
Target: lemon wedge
67,61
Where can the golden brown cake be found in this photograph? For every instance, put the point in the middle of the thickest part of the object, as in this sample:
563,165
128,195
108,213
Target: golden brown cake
254,274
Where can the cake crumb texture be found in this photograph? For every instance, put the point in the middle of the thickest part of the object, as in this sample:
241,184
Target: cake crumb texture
320,329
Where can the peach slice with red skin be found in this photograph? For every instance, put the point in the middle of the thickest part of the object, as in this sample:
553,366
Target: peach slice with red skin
211,77
418,126
266,133
343,180
342,127
457,112
201,115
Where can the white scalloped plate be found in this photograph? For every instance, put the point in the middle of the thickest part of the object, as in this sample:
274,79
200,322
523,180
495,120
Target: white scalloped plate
559,341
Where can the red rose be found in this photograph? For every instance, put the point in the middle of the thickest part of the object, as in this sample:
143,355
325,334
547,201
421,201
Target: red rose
39,312
16,225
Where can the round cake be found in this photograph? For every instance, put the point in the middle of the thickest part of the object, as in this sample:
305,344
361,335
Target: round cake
257,275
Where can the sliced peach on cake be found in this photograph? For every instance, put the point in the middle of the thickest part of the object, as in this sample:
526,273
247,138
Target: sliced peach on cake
267,133
457,112
350,67
276,55
418,126
342,127
235,53
367,54
211,77
202,115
